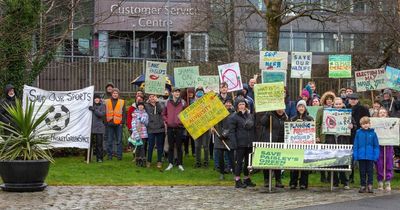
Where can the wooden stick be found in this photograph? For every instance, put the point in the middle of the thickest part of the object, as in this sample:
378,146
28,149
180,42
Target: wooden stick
384,163
340,85
372,97
270,141
88,156
332,181
301,86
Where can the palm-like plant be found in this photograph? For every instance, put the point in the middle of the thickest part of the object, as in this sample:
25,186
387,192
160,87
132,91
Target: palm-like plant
26,139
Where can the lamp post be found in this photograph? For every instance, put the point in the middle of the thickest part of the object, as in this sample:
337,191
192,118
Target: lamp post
168,35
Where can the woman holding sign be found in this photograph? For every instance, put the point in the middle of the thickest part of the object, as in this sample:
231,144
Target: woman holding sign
302,115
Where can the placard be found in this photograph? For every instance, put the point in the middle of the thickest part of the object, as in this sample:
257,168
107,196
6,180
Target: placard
339,66
269,96
230,73
300,132
156,73
186,77
301,65
393,78
336,121
271,76
209,83
387,130
273,60
373,79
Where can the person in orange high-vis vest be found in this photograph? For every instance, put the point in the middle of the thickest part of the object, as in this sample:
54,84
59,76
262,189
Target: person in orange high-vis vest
115,119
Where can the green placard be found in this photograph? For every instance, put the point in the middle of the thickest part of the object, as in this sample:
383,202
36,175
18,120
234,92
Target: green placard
339,66
278,158
186,77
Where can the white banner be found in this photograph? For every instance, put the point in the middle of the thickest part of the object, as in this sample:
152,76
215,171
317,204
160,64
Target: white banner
69,121
387,130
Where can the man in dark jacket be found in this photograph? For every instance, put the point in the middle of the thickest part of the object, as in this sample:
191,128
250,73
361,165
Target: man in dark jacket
9,100
155,129
390,104
174,126
98,128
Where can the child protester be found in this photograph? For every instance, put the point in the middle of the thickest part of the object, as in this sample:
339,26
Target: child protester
366,151
140,119
380,164
98,127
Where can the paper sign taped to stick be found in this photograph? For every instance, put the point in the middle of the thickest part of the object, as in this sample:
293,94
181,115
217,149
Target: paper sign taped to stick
300,132
269,96
203,114
230,73
387,130
373,79
271,76
393,78
301,65
209,83
273,60
186,77
156,73
336,121
339,66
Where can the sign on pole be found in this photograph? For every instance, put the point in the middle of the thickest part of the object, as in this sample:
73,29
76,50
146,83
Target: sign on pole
387,130
156,73
269,96
273,60
339,66
393,78
373,79
336,121
186,77
271,76
230,73
300,132
301,65
209,83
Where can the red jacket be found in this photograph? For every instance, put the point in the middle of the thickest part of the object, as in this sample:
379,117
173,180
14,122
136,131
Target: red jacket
171,112
131,109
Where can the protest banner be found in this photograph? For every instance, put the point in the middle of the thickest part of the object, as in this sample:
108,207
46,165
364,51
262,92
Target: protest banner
300,132
339,66
301,65
387,130
209,83
271,76
203,114
186,77
392,78
269,96
313,110
373,79
230,73
273,60
277,158
69,121
336,121
155,80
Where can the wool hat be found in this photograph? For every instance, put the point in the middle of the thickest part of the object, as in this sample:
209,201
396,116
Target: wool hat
305,92
140,103
301,102
96,95
387,91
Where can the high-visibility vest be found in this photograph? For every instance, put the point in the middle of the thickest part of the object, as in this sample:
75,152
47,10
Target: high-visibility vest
115,114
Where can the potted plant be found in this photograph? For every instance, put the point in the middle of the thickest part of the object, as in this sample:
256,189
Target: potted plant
24,154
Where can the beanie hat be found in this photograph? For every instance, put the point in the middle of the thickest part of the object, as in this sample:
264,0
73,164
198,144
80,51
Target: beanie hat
387,91
308,88
140,103
96,95
301,102
304,92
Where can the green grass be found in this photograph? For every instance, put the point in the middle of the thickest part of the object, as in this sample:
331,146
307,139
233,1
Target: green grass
75,171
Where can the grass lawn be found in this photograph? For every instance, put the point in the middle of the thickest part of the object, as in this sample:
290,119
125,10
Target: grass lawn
75,171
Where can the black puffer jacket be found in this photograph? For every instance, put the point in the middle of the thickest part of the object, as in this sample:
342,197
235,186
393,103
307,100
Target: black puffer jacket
278,126
242,129
10,101
222,127
156,122
304,117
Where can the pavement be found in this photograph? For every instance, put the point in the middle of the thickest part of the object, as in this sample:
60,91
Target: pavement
188,197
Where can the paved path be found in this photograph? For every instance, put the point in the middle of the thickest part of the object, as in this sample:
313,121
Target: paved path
152,197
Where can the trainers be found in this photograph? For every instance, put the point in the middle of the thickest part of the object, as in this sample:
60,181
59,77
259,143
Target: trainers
169,167
99,161
159,165
292,187
362,190
239,184
380,185
148,164
388,188
347,187
248,182
221,177
370,190
303,187
180,167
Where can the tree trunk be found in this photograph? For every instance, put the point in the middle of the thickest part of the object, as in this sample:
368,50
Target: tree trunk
274,23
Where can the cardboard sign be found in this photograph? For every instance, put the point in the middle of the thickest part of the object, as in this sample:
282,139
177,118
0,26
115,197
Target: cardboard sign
156,73
269,96
273,60
393,78
301,65
336,121
387,130
271,76
300,132
339,66
209,83
230,73
203,114
186,77
373,79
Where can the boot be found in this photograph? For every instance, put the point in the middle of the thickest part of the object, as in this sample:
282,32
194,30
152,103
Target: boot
239,184
370,190
248,182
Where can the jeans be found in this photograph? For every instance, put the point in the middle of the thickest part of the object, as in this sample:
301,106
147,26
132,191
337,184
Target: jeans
202,141
242,160
158,140
221,156
366,172
114,132
98,138
175,139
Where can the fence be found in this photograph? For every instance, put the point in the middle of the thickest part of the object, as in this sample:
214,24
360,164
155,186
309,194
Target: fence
69,73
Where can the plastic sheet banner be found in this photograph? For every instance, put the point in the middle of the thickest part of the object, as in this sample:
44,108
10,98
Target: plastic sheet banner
203,114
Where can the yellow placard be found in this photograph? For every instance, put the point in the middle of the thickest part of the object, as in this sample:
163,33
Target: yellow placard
269,96
203,114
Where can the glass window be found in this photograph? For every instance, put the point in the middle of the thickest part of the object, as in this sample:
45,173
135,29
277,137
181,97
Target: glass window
316,42
347,44
330,43
300,42
255,41
199,48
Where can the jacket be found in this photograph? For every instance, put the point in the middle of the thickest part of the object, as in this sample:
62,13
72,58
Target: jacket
10,101
156,122
392,106
223,127
357,112
140,120
366,145
99,113
278,127
171,112
304,117
242,129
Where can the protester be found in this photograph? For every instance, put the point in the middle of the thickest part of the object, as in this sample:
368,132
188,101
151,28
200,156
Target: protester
249,100
250,92
132,109
381,165
203,141
290,109
274,130
109,88
98,128
376,106
175,128
349,91
9,100
242,131
223,130
315,102
188,141
223,92
305,96
140,120
302,115
155,130
342,94
366,151
390,104
313,87
115,119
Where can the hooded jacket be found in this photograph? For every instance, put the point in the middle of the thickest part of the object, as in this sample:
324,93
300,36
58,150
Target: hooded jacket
242,129
171,112
99,114
222,127
357,112
156,122
327,95
366,145
10,101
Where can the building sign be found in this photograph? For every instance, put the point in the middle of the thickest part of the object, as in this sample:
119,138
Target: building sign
149,16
